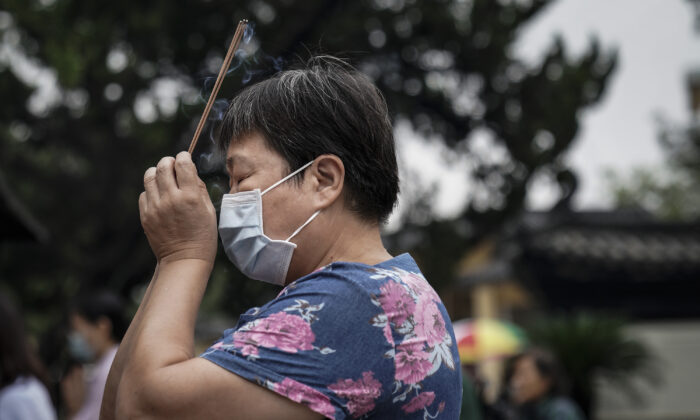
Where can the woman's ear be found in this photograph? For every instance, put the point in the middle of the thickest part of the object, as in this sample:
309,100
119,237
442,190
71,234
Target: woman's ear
328,174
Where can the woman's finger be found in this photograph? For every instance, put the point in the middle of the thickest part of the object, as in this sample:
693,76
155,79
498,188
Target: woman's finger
165,176
185,171
150,185
143,205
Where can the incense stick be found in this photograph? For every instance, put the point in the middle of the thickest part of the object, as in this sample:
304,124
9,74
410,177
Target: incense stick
237,36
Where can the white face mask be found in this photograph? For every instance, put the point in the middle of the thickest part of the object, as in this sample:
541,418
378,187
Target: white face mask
79,348
245,243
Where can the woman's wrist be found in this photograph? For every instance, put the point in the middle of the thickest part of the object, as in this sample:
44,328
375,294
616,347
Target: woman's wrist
173,264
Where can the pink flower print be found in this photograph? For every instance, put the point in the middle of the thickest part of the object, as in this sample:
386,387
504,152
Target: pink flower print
360,393
304,394
419,285
247,349
419,402
248,346
284,331
289,333
396,302
411,362
430,325
387,334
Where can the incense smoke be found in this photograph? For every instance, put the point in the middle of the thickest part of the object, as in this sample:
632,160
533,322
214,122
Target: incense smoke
249,60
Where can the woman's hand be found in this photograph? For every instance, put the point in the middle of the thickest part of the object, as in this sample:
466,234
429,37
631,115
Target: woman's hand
176,211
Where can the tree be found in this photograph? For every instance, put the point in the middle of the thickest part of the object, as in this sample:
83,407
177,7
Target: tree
452,79
127,79
673,192
696,5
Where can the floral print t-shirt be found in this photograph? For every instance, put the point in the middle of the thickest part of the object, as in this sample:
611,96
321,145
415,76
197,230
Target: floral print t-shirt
350,341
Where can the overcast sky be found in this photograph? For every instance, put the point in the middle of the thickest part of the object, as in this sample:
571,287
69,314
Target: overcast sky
657,48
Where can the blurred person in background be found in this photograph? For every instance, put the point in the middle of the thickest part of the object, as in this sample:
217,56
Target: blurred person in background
23,379
97,325
538,388
502,408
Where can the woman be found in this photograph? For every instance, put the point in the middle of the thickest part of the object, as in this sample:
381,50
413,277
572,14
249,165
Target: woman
23,393
97,326
537,387
355,331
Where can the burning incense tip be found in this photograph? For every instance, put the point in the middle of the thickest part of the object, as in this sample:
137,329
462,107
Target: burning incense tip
237,36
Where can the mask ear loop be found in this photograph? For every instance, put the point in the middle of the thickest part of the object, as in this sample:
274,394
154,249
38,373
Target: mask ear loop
286,177
313,216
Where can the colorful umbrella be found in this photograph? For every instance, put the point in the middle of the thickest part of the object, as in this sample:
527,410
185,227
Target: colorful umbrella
483,339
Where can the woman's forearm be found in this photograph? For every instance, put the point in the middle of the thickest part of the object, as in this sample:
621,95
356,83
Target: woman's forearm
165,335
107,411
179,220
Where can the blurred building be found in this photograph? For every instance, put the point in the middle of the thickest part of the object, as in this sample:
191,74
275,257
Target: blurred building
623,263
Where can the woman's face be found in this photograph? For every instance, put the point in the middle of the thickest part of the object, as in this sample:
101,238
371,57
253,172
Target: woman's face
96,334
251,165
527,384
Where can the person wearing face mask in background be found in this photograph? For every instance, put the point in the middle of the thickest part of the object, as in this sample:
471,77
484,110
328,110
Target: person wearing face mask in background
538,388
355,332
97,325
23,379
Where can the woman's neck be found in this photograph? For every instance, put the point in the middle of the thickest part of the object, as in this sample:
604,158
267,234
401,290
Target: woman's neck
356,241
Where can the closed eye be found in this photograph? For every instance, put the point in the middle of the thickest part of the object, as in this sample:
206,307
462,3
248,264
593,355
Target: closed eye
235,181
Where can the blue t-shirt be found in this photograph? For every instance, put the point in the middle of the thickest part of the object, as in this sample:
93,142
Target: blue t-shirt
352,340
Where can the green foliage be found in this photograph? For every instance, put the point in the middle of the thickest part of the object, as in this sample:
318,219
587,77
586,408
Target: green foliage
696,5
672,193
594,347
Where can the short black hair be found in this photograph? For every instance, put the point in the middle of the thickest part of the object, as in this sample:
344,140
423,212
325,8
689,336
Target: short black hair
95,305
324,107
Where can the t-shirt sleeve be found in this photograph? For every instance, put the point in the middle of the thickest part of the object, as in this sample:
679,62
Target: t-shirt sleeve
314,344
